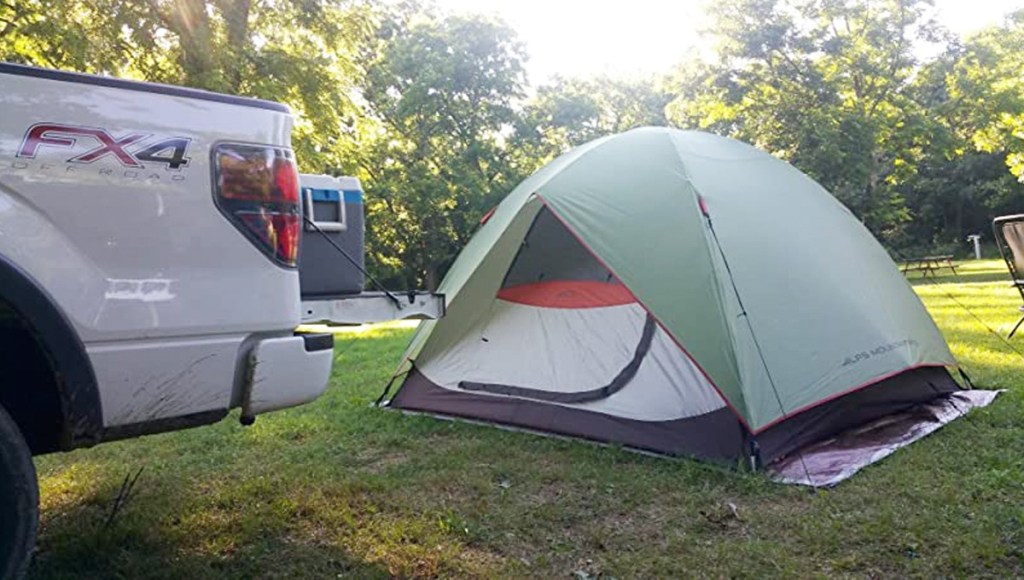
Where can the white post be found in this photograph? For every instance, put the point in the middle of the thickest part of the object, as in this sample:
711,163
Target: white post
976,238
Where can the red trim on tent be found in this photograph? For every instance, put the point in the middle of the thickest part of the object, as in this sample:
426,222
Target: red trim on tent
834,396
703,206
487,216
568,294
725,399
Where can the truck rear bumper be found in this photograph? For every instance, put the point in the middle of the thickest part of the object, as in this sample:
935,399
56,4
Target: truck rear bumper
289,371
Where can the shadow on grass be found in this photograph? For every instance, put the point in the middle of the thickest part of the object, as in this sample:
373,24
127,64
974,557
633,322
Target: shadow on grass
224,538
112,554
408,497
984,277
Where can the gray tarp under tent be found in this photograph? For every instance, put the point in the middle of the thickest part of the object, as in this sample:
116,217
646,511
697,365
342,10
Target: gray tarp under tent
685,294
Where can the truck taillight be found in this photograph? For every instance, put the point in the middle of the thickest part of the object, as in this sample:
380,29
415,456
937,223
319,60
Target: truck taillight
257,188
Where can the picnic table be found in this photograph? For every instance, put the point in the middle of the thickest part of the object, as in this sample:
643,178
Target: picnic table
928,265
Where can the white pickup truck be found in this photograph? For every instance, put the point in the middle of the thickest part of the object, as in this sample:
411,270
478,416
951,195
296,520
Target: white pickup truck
149,240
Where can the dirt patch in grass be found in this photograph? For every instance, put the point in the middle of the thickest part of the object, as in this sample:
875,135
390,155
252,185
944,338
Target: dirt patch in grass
377,462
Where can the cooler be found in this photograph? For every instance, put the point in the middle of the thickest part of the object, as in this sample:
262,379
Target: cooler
335,205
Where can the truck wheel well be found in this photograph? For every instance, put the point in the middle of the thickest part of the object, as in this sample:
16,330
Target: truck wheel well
29,390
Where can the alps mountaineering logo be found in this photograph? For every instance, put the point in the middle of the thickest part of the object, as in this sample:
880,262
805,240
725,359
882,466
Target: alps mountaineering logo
878,351
50,147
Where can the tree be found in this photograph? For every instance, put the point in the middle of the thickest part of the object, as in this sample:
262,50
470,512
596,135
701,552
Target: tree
432,111
961,179
444,93
571,111
988,82
81,36
822,84
301,52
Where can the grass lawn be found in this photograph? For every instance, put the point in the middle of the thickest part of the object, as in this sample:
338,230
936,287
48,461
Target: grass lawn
337,488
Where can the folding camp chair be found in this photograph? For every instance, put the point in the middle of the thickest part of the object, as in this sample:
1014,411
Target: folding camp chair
1009,234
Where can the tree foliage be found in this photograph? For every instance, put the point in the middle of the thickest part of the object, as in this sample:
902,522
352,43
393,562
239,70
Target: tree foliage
571,111
433,111
821,83
301,52
960,178
987,85
444,93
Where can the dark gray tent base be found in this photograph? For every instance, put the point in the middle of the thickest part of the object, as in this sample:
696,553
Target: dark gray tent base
715,466
716,436
892,395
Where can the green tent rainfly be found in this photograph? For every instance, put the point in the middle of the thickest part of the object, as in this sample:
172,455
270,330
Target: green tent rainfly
678,292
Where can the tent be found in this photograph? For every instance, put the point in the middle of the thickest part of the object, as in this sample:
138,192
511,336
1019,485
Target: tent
681,293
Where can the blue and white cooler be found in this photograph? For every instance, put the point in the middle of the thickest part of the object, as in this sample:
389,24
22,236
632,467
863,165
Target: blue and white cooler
335,206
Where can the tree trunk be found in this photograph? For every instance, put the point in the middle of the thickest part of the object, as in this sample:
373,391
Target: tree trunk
189,20
959,225
9,17
236,15
431,278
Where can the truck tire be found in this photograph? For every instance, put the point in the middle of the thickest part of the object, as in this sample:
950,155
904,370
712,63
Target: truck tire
19,501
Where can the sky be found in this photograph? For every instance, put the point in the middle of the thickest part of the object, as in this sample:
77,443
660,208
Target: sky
637,37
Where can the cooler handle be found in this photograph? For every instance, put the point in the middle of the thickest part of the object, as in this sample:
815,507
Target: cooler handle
311,195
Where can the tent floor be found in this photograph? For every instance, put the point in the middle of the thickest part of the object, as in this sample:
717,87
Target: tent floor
833,460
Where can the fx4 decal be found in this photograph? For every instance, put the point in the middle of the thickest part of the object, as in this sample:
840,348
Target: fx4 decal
170,151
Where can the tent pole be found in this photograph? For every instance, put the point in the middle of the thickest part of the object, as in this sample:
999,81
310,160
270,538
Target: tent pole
753,335
755,455
387,388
